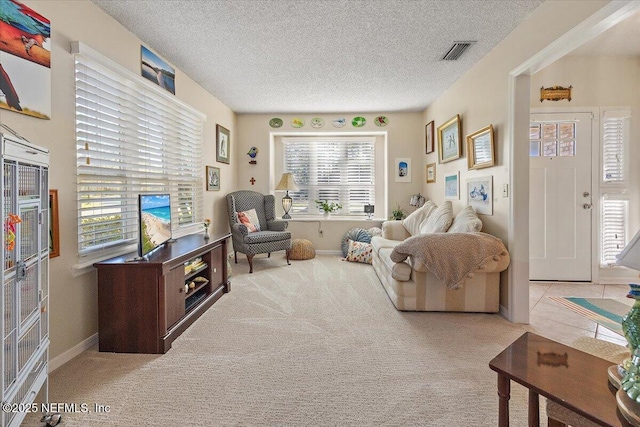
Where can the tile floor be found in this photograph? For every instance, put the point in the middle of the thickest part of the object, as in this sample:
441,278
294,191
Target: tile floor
558,323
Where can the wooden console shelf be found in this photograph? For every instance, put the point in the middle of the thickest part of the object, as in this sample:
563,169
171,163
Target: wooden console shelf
143,306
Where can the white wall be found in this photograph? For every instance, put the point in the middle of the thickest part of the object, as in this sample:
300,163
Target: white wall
73,308
405,139
601,82
481,98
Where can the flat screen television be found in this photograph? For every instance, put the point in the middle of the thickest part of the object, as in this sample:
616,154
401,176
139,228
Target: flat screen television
154,218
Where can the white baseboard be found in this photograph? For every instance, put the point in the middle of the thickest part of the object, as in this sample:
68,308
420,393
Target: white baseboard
60,360
328,252
618,280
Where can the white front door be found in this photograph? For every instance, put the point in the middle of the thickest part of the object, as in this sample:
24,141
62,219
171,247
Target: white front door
560,197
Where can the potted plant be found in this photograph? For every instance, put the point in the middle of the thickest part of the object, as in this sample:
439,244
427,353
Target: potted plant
398,213
328,207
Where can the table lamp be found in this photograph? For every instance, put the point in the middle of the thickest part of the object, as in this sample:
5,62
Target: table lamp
627,378
417,200
287,182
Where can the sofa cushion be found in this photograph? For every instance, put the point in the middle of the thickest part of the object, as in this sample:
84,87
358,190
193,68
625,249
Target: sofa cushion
439,220
466,222
413,221
359,252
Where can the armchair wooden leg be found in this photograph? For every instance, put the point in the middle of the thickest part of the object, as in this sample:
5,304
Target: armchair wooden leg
235,254
250,259
288,253
268,254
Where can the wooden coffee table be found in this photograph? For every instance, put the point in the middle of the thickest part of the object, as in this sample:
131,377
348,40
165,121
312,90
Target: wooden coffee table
569,377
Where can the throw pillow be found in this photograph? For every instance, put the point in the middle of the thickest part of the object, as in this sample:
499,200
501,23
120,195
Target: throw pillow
359,252
250,220
413,221
440,220
466,222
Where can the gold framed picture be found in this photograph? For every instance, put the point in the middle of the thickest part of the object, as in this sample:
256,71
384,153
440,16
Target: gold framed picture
449,136
223,144
54,225
431,173
480,148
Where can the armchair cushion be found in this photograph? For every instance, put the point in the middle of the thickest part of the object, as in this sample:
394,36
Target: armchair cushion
250,220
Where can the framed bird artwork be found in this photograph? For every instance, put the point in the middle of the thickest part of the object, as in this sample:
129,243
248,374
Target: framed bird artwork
25,60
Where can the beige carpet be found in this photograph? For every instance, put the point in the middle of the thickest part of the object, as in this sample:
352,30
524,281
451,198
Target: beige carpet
315,343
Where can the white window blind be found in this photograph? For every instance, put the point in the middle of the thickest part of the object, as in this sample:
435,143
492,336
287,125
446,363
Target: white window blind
615,134
131,139
336,169
614,228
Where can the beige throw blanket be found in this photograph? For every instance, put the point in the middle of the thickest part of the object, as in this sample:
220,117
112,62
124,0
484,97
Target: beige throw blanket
451,256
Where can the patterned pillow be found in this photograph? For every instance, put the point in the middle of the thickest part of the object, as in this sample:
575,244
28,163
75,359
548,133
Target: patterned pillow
250,220
359,252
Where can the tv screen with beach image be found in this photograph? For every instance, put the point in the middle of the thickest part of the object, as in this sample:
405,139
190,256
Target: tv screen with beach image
155,221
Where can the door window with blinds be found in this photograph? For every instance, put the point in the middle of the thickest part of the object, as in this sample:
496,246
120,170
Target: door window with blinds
614,185
336,169
131,139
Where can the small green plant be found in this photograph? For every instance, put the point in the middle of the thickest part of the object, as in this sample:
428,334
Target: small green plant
398,213
327,206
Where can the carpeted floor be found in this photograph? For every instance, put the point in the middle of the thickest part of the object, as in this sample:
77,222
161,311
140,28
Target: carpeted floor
315,343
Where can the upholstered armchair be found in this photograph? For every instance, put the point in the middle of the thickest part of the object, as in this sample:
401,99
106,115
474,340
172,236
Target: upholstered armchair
269,235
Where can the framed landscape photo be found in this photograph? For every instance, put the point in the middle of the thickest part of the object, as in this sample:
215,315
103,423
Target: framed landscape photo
449,135
213,178
428,130
452,186
431,173
403,169
223,144
480,148
480,194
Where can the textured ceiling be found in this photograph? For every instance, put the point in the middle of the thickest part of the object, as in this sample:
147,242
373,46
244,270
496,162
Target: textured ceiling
294,56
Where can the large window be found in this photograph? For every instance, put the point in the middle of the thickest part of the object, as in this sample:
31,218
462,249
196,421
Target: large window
131,139
337,169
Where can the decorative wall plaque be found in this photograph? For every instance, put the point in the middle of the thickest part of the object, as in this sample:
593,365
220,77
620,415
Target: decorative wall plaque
555,93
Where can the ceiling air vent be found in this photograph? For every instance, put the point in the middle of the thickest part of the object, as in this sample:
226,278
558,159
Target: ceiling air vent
457,50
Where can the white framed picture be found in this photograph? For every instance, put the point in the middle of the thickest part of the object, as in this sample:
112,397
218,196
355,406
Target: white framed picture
452,186
402,169
480,194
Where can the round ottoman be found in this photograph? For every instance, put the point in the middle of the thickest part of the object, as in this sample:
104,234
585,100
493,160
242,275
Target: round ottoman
302,249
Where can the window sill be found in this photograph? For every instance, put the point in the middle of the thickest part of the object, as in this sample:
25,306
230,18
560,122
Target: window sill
333,218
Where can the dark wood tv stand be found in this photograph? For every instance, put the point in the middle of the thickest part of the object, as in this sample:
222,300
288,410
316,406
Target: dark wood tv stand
144,305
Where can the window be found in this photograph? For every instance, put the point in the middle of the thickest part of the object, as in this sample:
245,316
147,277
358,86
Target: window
615,131
614,228
337,169
552,139
129,138
614,184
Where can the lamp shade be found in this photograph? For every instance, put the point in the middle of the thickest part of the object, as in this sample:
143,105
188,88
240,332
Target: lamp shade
630,255
287,182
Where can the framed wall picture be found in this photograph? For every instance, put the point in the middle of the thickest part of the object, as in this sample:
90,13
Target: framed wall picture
431,173
54,225
403,169
213,178
452,186
449,136
480,148
428,130
156,70
223,144
480,194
